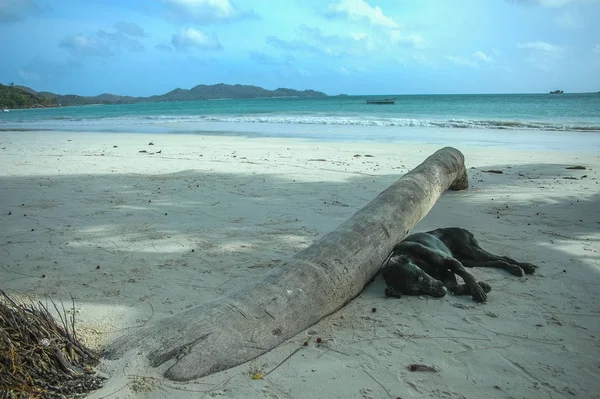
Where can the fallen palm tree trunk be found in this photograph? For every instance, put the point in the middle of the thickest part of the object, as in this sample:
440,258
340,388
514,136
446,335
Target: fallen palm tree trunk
313,284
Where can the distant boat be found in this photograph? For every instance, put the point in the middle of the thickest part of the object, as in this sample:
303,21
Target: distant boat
382,101
5,110
557,92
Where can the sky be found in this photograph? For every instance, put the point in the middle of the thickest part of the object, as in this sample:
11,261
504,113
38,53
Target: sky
146,47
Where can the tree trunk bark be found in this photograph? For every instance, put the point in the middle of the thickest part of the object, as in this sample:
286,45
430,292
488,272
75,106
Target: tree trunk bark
313,284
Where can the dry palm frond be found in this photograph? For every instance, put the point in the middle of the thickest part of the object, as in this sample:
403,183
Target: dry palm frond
41,358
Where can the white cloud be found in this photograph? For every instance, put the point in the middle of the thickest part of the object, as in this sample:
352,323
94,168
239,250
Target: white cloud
597,48
412,39
17,10
542,47
555,3
315,42
293,45
343,71
563,3
164,47
542,55
266,59
473,61
480,55
205,12
130,29
360,10
86,46
190,37
461,61
104,43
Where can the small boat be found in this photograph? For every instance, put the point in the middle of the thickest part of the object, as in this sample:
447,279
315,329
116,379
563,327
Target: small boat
5,110
381,101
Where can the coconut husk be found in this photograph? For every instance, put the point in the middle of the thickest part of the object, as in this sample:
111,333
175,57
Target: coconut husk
41,358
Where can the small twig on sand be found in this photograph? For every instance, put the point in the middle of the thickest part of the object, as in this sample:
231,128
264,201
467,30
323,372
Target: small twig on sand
287,358
379,383
424,367
542,341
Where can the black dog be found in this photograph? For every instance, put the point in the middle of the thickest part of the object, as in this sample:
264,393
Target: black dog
427,264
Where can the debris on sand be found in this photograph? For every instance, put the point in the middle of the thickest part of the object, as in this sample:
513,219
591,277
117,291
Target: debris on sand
424,367
43,359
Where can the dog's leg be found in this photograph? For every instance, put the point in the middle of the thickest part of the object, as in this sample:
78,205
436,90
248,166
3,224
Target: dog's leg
392,292
441,261
463,289
472,255
498,264
450,282
481,258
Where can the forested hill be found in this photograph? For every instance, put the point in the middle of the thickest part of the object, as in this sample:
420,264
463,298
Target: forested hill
15,97
200,92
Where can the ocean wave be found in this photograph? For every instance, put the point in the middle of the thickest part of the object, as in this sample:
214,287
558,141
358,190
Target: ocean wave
332,120
365,121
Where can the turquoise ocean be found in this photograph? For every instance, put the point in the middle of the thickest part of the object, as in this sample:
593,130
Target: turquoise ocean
566,120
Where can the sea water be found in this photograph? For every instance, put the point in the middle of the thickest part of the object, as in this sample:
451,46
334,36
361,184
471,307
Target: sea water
569,121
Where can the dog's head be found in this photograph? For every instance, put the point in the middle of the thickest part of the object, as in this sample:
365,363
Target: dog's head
403,275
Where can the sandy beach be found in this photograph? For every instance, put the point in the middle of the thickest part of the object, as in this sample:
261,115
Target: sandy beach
136,232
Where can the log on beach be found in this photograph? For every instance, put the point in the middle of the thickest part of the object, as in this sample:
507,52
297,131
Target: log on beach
313,284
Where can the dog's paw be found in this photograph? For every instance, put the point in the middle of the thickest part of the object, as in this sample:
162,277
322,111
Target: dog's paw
485,286
528,268
392,293
478,294
516,270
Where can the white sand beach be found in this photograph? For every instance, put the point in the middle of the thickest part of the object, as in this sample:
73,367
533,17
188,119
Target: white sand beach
137,236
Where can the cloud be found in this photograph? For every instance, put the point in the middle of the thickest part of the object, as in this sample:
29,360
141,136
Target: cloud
542,54
389,31
120,40
358,44
105,43
478,59
355,43
411,40
188,38
164,47
542,47
130,29
361,11
266,59
206,12
461,61
596,49
315,42
480,55
292,45
39,68
17,10
553,3
343,71
86,46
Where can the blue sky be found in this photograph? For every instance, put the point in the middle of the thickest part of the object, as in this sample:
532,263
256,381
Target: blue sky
145,47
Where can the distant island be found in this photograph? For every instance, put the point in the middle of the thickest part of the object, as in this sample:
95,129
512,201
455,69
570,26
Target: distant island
12,96
557,92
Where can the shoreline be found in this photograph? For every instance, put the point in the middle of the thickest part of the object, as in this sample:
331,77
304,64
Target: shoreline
523,140
246,204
